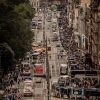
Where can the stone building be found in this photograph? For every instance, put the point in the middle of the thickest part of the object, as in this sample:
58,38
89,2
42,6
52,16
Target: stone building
94,36
84,18
35,4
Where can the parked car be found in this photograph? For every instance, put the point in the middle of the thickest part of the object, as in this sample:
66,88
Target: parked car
39,26
26,71
57,45
64,80
54,29
34,24
39,18
55,37
55,89
28,91
63,69
28,83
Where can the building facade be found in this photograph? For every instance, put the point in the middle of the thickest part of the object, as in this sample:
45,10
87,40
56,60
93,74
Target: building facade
95,30
84,18
35,4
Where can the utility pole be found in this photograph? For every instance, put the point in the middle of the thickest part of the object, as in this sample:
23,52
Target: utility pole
72,14
90,33
44,29
46,46
47,70
45,6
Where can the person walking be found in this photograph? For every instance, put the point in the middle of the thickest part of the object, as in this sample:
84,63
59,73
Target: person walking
9,96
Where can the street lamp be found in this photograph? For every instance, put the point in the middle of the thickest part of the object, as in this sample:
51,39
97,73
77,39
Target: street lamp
48,74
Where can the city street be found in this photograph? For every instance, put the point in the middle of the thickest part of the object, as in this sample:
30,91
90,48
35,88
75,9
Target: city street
50,50
54,60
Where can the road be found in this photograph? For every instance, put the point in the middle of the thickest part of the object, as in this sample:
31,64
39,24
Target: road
54,61
40,89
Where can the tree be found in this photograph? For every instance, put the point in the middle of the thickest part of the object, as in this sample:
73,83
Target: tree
15,21
6,57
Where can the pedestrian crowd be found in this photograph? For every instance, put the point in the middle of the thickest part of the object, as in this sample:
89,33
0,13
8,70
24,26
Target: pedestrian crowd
10,82
84,82
70,46
78,61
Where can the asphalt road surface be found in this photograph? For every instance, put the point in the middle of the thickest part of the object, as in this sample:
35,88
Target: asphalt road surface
40,89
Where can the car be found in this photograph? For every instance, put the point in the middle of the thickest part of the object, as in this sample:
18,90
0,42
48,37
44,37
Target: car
54,20
55,35
34,24
25,64
63,69
28,82
26,71
39,26
28,78
55,38
28,91
49,19
39,19
63,79
57,45
54,24
55,89
38,80
54,84
49,16
54,29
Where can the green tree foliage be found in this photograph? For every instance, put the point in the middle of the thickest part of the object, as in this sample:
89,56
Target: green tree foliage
7,57
15,21
17,2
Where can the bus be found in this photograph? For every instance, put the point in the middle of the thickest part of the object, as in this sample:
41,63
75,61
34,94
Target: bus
39,70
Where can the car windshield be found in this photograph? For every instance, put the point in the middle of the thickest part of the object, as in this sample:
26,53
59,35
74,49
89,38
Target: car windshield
28,84
26,68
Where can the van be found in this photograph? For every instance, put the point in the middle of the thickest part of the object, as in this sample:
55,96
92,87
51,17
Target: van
63,69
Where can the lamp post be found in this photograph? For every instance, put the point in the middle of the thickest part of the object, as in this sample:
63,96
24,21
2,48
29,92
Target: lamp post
47,70
45,45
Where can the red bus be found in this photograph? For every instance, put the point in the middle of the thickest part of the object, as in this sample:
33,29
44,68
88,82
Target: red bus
39,70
